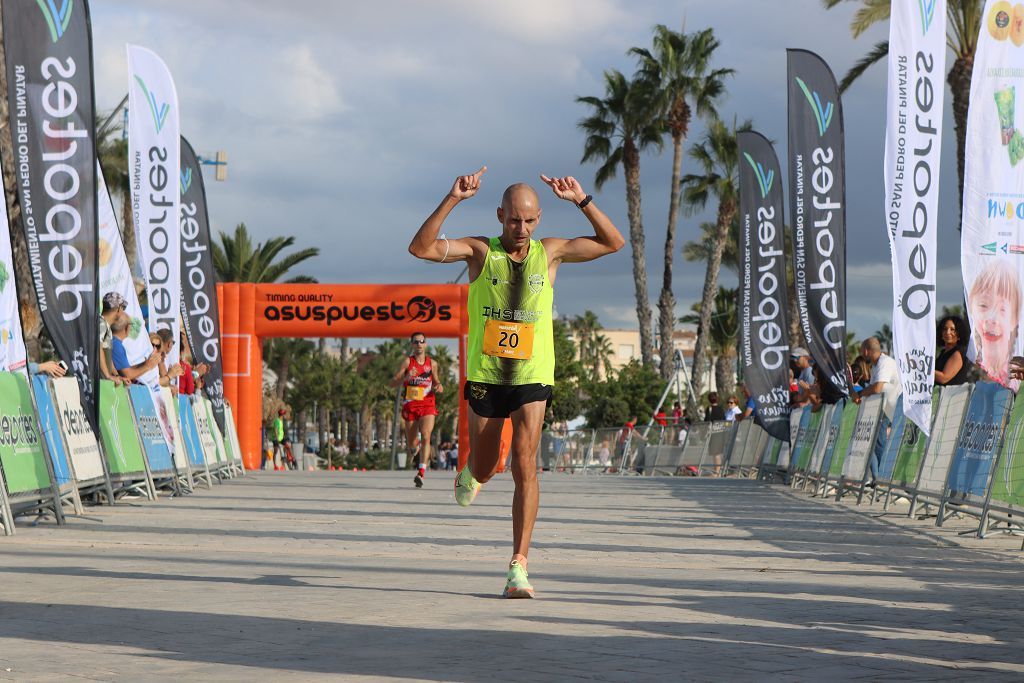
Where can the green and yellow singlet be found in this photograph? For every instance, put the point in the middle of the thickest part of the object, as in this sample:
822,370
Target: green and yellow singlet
510,338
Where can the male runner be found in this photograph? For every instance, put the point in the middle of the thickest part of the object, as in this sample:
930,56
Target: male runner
510,356
420,382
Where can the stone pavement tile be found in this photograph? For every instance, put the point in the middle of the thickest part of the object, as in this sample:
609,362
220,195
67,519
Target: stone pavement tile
300,576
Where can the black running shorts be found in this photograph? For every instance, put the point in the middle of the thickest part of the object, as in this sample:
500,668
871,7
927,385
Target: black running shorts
499,400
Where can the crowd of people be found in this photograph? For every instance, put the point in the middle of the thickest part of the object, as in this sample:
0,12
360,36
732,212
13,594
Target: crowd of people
116,326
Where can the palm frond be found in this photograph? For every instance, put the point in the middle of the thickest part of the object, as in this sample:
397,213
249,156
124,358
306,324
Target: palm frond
878,53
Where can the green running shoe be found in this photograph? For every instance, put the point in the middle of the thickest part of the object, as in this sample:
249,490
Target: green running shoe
466,487
517,584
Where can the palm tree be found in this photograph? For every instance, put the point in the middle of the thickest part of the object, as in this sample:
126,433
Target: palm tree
237,260
964,22
884,335
623,124
601,357
585,328
702,248
717,155
723,328
679,69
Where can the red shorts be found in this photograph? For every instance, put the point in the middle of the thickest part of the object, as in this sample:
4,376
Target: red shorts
414,410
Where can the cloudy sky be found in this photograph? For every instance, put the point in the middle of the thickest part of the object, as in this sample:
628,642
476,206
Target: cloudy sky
345,123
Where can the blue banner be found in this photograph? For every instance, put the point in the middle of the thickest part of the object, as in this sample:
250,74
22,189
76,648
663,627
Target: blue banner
190,431
49,425
979,439
153,442
892,446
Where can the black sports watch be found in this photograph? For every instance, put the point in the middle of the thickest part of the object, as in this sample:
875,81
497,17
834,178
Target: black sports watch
586,200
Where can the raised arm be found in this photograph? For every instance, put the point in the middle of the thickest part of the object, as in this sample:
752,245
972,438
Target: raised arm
606,239
426,245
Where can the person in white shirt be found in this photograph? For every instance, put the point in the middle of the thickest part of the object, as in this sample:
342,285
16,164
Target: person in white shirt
732,410
885,380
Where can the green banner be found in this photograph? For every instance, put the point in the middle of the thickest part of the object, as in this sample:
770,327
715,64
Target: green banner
805,446
908,460
117,428
846,426
21,450
1008,482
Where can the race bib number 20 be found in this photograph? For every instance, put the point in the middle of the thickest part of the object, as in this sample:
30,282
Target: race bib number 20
508,340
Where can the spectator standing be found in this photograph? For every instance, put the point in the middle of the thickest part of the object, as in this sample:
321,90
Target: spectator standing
885,380
122,366
732,411
749,405
715,412
111,308
951,366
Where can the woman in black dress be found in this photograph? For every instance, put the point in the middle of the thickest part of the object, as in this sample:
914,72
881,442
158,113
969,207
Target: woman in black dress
952,366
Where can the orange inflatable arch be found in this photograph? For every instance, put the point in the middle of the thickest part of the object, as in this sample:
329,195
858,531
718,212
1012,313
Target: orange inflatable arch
250,313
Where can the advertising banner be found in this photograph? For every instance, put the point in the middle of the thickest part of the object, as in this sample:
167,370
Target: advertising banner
913,143
808,437
817,190
764,306
231,437
1008,480
218,436
167,414
992,239
979,440
206,439
52,119
49,426
116,276
83,449
199,307
153,442
905,447
190,431
826,435
862,441
21,448
117,427
836,458
12,343
942,442
153,160
798,420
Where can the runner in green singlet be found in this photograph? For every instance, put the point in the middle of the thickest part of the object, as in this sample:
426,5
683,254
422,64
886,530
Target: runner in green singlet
510,356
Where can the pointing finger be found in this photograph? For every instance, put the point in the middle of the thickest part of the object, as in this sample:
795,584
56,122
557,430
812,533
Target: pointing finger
483,169
547,181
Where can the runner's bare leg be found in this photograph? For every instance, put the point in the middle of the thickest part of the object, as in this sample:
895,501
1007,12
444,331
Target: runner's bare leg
526,427
410,439
426,426
484,445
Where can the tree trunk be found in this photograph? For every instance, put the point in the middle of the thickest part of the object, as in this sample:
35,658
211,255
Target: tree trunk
300,428
282,374
667,301
726,212
631,164
31,320
366,428
725,375
959,80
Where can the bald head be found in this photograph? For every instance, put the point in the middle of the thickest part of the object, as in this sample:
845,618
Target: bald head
519,195
871,349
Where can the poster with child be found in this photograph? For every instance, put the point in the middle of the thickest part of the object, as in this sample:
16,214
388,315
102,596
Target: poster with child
992,241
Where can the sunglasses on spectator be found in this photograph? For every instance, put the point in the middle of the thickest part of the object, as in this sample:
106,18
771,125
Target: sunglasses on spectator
419,341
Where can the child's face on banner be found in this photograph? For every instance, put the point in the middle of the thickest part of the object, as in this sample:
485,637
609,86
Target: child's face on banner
995,321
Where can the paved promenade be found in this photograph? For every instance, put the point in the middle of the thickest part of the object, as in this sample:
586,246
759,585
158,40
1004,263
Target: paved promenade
360,576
